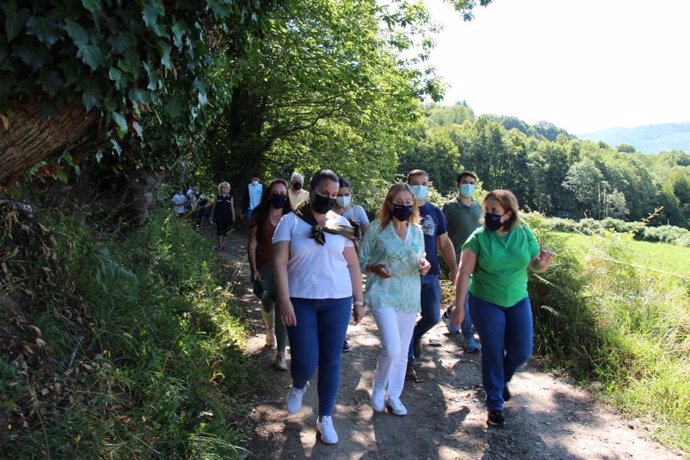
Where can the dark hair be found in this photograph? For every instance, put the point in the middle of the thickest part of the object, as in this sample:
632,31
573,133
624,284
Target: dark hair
417,172
345,183
466,174
255,175
324,174
260,214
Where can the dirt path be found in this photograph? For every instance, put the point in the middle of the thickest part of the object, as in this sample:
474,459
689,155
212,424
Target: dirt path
546,419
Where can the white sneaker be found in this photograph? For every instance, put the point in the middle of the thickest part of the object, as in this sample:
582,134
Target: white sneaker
281,363
294,399
377,400
325,427
396,406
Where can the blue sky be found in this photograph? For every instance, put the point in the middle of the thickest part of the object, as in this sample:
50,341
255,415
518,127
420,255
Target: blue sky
584,65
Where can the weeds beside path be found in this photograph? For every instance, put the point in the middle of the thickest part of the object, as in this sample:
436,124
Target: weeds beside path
546,419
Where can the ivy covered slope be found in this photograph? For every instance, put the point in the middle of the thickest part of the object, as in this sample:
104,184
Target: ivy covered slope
64,65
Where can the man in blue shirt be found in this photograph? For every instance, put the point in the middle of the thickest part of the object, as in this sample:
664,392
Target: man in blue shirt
435,229
252,196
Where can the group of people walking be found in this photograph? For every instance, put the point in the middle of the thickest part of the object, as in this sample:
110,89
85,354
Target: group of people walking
309,252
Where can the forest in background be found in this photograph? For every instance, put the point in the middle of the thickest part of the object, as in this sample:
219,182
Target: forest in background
105,107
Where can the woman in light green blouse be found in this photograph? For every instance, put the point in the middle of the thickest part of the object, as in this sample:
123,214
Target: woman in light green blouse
392,253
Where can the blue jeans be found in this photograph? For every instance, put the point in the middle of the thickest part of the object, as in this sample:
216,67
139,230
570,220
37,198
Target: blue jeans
506,335
317,340
248,214
466,326
431,310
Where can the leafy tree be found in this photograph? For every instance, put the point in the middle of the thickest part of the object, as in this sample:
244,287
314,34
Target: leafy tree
626,148
63,65
325,87
585,182
436,154
453,115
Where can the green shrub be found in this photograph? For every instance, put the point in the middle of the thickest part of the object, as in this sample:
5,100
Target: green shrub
145,365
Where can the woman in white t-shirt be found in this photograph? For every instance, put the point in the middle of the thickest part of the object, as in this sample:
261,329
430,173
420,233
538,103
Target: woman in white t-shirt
317,277
346,208
352,212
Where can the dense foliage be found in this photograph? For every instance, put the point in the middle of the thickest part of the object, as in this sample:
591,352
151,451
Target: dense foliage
130,350
551,171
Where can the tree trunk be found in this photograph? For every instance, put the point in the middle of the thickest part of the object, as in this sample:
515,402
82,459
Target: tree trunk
29,138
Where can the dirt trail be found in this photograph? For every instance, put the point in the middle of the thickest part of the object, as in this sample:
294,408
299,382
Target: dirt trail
546,419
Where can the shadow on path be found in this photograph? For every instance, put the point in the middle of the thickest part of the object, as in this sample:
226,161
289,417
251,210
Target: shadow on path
546,419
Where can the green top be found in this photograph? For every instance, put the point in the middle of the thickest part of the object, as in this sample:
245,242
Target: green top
462,221
500,276
401,257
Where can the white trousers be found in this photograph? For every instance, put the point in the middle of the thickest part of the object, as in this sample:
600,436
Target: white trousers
395,330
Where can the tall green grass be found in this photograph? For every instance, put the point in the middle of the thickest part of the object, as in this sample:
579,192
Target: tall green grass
145,356
616,314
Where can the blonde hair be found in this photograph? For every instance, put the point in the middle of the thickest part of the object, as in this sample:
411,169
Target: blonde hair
223,184
509,202
385,214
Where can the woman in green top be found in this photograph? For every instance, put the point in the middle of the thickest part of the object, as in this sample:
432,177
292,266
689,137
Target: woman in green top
494,263
392,252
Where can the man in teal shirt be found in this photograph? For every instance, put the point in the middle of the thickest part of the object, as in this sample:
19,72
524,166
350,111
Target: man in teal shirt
463,214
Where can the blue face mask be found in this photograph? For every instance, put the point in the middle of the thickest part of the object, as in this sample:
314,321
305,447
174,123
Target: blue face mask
466,190
420,191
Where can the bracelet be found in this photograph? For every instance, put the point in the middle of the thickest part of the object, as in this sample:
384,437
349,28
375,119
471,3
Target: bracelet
358,303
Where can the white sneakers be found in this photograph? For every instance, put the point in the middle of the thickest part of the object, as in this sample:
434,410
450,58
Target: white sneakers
325,428
395,406
377,400
281,363
294,399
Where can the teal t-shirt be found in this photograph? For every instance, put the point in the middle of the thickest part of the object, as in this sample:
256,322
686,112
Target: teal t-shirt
401,256
500,276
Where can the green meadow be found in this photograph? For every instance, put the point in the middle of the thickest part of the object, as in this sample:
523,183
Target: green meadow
615,314
666,258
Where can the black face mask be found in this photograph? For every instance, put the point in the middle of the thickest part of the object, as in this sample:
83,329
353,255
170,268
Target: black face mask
322,204
297,186
402,212
278,201
493,221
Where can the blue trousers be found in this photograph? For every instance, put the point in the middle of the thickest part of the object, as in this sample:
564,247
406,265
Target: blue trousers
431,310
317,342
506,335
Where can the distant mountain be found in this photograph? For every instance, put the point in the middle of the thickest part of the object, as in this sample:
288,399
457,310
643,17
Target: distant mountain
647,138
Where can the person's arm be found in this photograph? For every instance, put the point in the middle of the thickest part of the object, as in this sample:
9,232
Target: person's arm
468,262
213,211
541,262
232,208
448,252
251,254
281,256
363,220
352,260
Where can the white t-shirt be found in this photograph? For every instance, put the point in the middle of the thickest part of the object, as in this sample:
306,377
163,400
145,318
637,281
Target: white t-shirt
315,271
358,214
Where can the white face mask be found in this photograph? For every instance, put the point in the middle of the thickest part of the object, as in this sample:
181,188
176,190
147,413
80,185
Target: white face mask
343,200
255,182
